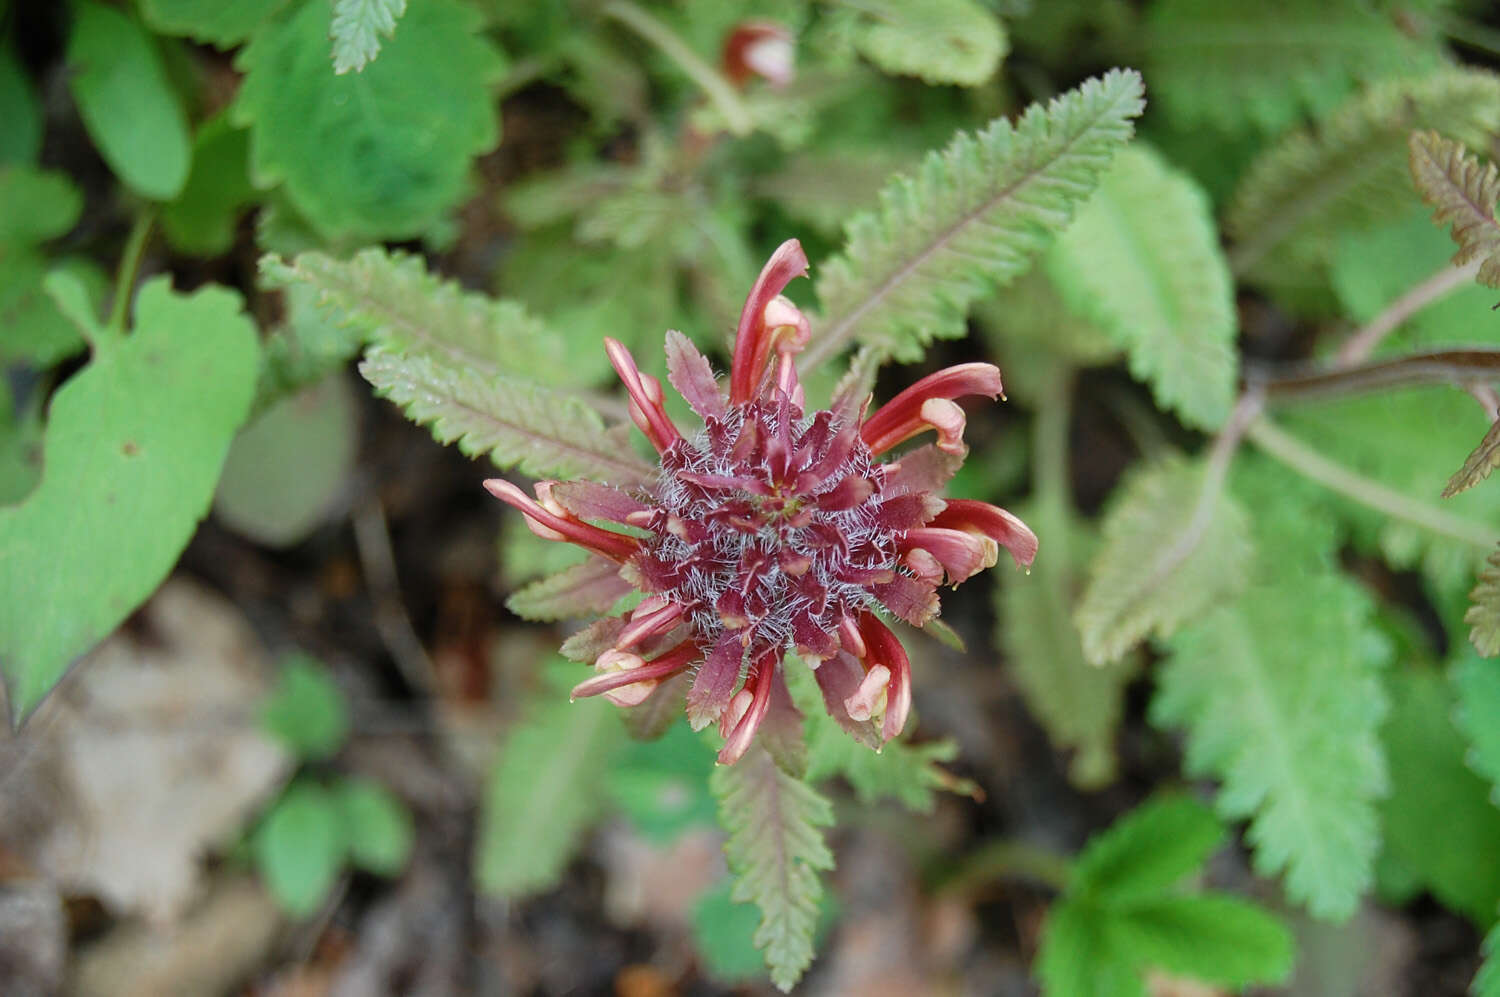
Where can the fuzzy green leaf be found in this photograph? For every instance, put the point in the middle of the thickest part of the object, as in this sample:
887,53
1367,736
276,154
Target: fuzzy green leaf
1147,851
1478,465
1349,173
1166,557
971,219
544,787
1079,704
1483,617
1281,698
1461,190
1237,66
214,21
591,587
1426,756
366,154
377,825
133,448
775,852
299,848
357,27
1142,260
940,41
306,711
1216,938
1477,682
126,102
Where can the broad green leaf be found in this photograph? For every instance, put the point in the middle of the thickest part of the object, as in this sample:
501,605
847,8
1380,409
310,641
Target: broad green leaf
1076,959
38,331
20,447
203,218
218,22
1148,851
1142,260
1079,704
377,825
1426,757
356,30
1239,66
544,787
36,205
133,448
299,847
1214,938
661,786
1281,698
290,466
1175,544
1487,981
1462,191
376,154
306,711
1347,174
775,852
940,41
971,219
126,101
724,932
21,138
1477,684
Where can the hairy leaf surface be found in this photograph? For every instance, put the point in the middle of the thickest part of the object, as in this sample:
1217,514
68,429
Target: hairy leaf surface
1484,615
971,219
357,28
1478,465
940,41
1462,191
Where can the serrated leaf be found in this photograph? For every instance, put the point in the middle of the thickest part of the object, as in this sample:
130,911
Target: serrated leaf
1478,465
591,587
971,219
1147,851
306,711
543,432
214,21
1281,699
1075,958
1240,67
1477,683
1349,173
203,217
356,30
377,825
1142,260
1462,191
299,848
544,788
126,102
1171,549
1079,704
1426,757
364,154
1217,939
775,851
21,138
133,448
940,41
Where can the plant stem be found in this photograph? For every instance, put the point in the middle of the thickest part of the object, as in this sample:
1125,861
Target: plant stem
1334,476
1363,342
714,86
1457,367
1004,859
130,266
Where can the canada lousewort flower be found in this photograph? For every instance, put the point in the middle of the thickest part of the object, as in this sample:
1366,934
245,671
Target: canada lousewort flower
773,530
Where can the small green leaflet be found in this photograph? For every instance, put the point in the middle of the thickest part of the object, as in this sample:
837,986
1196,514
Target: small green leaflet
1142,260
299,847
545,786
203,217
35,205
126,102
1123,912
1171,549
356,30
940,41
377,824
1461,190
1484,459
21,138
133,448
364,155
969,220
306,711
1483,616
215,21
775,853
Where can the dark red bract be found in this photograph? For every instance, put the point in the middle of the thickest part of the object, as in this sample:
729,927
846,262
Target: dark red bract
771,530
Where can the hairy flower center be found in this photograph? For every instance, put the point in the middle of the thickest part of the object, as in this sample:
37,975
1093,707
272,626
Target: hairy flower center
768,525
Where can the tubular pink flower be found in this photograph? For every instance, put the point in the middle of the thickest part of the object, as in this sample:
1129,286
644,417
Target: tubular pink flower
928,404
759,48
772,530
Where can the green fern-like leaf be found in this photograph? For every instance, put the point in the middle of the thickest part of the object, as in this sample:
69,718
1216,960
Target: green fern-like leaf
1123,912
591,587
940,41
1142,260
545,787
775,852
971,219
356,30
1483,616
1478,465
1078,704
1462,191
1239,66
1348,173
1171,550
1281,698
543,432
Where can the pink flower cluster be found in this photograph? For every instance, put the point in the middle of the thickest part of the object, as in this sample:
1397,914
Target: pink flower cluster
772,530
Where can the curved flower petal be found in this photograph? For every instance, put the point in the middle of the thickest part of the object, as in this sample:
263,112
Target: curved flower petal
754,338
